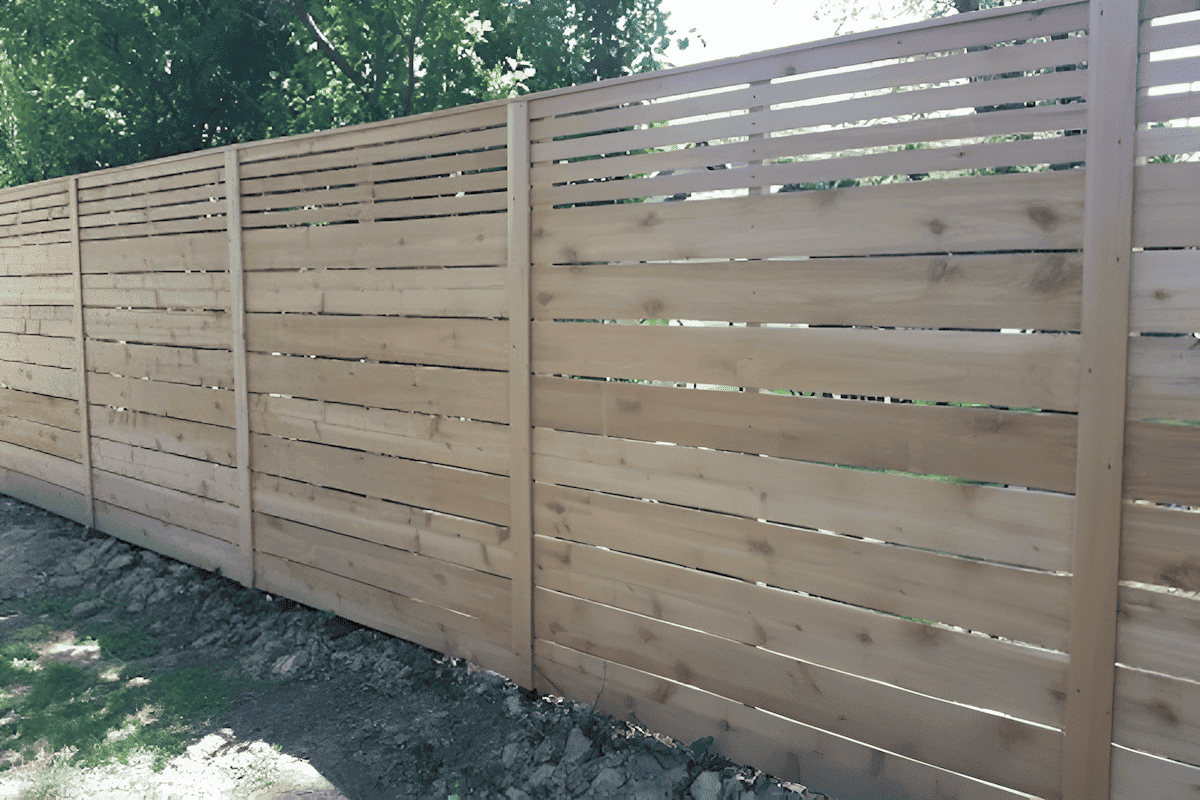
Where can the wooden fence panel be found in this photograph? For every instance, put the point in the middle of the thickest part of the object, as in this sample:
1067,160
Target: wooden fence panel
1158,626
377,376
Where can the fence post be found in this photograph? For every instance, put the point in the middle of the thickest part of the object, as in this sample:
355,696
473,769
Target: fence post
85,426
520,524
237,310
1107,242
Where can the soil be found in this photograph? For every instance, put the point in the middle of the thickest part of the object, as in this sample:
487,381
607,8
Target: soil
325,709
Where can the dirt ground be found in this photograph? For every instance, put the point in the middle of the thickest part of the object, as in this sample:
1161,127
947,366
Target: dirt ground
233,693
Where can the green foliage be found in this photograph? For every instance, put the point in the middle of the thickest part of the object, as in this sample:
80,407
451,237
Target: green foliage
125,642
87,84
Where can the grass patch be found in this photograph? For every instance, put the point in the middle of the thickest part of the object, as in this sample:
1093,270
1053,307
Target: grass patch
123,642
71,710
69,707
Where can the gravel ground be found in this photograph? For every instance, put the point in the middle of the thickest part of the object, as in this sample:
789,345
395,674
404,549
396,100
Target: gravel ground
329,709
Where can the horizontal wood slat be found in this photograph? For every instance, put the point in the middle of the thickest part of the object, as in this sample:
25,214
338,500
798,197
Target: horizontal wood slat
143,326
1165,295
1166,204
196,367
196,252
1159,546
481,241
1028,371
1133,771
187,475
1162,378
38,436
1017,604
1002,750
37,379
182,544
53,411
37,290
1018,212
431,390
983,291
1162,463
474,495
181,437
787,749
467,542
1156,631
174,290
940,662
52,259
46,351
419,577
463,292
982,444
481,344
196,403
468,444
1158,714
50,469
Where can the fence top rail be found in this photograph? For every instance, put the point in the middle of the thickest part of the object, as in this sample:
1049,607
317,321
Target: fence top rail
1149,8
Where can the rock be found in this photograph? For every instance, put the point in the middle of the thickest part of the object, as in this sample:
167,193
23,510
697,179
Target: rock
541,776
66,582
516,794
707,786
119,562
85,560
513,705
85,609
512,751
548,750
607,782
577,747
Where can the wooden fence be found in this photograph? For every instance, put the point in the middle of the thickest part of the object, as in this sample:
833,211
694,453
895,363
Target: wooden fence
395,371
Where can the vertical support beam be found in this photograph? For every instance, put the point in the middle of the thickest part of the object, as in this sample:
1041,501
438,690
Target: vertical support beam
85,426
756,191
520,526
1107,242
237,310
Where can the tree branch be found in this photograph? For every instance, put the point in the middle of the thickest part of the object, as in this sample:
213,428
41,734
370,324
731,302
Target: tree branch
324,45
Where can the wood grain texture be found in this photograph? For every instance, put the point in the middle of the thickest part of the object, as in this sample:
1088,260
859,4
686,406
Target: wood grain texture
195,403
1162,463
38,436
198,251
36,290
1157,714
186,365
401,572
50,469
981,444
152,432
463,292
1165,296
982,291
1023,211
168,290
187,475
1001,750
37,379
50,496
941,662
1133,771
1159,546
479,344
479,241
48,351
1029,371
444,631
1018,604
53,411
474,495
1156,630
1162,378
210,329
182,544
787,749
467,542
468,444
1166,202
199,514
474,394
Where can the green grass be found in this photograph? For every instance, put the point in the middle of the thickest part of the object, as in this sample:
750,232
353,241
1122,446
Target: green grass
63,707
124,642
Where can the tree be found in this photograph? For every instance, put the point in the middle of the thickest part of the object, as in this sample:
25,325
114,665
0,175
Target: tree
86,84
92,83
853,15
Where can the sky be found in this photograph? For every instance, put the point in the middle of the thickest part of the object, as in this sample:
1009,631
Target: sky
756,25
